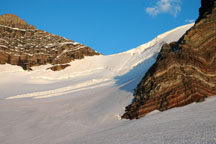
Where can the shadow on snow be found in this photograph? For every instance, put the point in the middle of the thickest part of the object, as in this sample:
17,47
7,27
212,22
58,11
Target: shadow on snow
130,80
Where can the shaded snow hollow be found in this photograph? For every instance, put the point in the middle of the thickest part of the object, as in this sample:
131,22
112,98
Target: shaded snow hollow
82,104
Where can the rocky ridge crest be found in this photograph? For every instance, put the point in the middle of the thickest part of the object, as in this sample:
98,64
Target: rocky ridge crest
184,72
24,45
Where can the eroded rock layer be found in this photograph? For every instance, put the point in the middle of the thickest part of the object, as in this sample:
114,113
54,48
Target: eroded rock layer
184,72
24,45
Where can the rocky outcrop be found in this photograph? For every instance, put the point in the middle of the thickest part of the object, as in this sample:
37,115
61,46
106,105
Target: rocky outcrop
59,67
207,6
184,72
24,45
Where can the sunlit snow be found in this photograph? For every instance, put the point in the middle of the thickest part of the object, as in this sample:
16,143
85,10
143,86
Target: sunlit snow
83,103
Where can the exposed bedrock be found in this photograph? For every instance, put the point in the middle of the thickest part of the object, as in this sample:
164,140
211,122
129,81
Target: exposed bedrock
184,72
24,45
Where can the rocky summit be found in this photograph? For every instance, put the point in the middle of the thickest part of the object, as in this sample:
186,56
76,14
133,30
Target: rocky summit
24,45
184,72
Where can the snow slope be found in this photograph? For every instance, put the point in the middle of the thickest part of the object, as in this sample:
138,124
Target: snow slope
84,102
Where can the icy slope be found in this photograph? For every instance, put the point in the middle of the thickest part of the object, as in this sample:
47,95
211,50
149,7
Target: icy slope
118,68
83,103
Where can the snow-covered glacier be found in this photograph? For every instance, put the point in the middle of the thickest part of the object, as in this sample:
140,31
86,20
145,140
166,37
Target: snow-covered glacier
83,103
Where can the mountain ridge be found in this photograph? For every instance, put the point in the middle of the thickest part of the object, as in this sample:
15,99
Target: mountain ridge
184,71
23,45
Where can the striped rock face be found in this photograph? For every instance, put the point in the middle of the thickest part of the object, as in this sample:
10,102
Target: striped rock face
24,45
184,72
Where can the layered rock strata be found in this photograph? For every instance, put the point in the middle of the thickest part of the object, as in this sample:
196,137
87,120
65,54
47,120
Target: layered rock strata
24,45
184,72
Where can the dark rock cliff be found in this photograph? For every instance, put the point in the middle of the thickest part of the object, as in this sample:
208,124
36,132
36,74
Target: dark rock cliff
184,72
24,45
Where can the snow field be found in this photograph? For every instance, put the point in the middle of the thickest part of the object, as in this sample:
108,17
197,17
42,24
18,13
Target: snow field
82,104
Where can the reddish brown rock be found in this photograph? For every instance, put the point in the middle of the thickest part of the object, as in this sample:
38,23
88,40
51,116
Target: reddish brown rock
184,72
14,21
24,45
59,67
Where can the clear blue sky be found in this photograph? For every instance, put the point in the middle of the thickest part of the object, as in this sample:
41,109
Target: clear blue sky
108,26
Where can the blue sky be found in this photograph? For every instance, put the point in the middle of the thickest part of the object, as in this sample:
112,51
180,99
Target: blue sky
108,26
